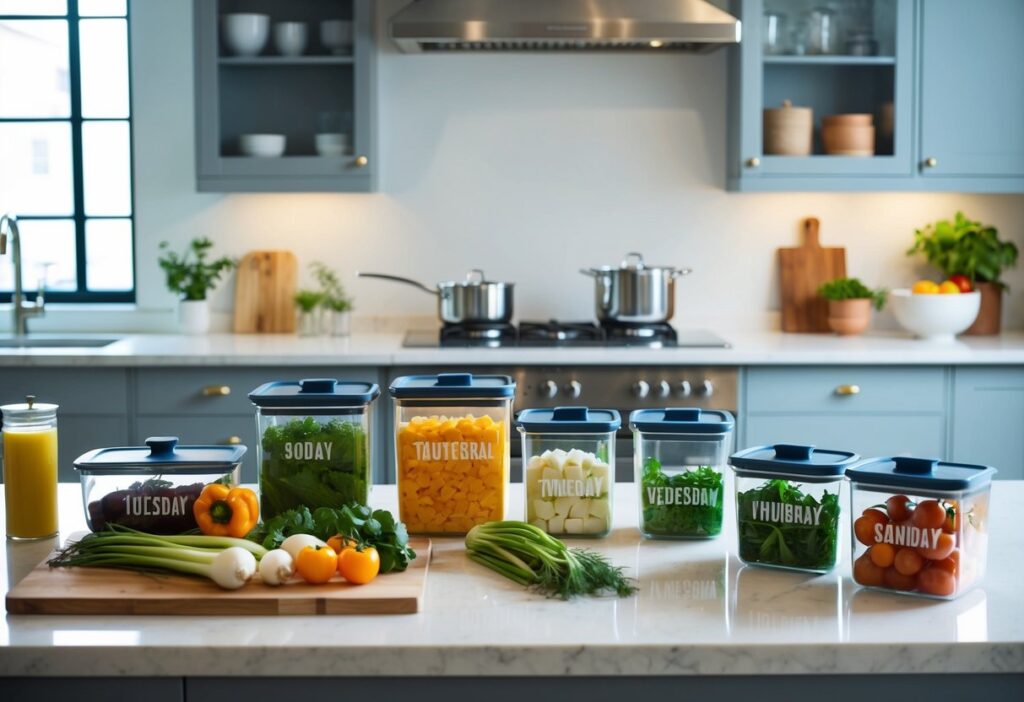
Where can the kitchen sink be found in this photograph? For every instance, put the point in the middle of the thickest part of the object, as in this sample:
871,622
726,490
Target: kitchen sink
35,342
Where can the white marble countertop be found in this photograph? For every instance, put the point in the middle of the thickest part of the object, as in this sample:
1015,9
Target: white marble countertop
385,349
698,612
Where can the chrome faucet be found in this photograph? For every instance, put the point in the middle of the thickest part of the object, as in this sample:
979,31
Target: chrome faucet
21,311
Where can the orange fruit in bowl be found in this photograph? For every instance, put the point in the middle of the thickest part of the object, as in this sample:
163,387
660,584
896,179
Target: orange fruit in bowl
925,287
948,287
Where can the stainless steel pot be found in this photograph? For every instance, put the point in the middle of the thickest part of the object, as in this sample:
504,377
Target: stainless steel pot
633,292
475,300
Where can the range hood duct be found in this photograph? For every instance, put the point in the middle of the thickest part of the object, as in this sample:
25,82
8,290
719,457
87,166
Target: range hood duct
563,25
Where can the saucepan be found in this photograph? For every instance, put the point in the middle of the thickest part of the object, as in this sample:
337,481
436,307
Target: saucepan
633,292
474,300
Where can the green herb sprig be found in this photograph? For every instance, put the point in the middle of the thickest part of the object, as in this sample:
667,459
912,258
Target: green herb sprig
853,289
812,547
681,519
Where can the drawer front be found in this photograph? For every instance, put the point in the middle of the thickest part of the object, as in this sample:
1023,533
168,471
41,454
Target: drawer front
916,435
79,391
205,430
222,390
851,389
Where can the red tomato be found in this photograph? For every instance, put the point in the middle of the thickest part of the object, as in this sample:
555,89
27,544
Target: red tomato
929,515
899,581
899,508
943,547
864,526
936,581
866,572
951,564
962,282
908,561
882,555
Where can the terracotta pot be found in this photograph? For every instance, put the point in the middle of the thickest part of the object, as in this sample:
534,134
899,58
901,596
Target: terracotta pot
848,135
788,130
849,317
990,315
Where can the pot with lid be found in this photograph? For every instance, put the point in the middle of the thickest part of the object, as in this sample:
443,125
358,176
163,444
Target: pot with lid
634,293
474,300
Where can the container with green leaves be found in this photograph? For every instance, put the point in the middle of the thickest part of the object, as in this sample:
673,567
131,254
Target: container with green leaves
787,505
850,303
315,441
679,458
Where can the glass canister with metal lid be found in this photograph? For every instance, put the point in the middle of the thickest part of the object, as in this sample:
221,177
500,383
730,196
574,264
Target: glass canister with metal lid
30,469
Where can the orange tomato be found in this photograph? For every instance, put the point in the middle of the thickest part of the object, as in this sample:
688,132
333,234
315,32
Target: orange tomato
359,567
316,564
951,564
899,581
948,287
925,287
929,515
866,572
899,508
945,545
882,555
339,543
952,524
936,581
908,561
864,526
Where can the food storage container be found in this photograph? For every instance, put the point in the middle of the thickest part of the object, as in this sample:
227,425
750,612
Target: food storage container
787,505
30,469
314,445
452,450
569,474
152,488
920,526
679,458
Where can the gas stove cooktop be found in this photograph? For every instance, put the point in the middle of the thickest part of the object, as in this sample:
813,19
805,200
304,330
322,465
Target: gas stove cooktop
554,334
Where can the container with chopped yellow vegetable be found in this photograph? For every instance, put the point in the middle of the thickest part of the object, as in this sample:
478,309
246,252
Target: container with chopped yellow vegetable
452,450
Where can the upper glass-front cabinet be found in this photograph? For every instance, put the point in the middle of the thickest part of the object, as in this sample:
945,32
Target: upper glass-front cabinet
822,88
284,95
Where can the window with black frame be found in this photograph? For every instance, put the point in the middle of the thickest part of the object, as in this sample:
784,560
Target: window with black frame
65,148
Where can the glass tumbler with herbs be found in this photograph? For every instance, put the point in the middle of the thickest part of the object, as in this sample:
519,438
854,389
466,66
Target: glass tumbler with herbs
679,459
315,443
787,505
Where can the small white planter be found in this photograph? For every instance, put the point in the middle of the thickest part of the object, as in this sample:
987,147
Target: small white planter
340,323
194,316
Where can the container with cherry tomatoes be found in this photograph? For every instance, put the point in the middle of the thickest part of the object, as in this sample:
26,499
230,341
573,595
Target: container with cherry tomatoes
920,526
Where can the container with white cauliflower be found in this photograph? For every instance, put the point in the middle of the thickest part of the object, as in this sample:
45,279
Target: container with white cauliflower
569,454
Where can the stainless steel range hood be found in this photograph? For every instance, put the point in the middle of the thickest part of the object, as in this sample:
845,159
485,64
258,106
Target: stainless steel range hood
563,25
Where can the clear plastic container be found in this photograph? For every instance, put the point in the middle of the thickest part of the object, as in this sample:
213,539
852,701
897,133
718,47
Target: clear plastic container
679,458
787,506
920,526
152,488
315,443
569,469
452,450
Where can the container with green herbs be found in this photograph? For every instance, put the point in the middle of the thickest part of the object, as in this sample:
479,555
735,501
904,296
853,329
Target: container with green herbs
314,448
679,457
787,505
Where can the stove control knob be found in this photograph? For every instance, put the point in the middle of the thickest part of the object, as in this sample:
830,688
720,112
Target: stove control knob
706,388
641,389
549,389
573,389
684,389
664,389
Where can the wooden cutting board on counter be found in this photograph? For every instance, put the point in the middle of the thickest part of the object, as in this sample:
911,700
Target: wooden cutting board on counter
265,293
108,591
802,272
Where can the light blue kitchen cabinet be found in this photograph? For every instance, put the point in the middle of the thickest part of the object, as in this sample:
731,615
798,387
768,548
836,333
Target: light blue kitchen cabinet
988,419
972,90
867,435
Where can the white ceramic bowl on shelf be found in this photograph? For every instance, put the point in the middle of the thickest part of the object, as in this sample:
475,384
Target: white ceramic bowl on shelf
262,145
246,33
935,317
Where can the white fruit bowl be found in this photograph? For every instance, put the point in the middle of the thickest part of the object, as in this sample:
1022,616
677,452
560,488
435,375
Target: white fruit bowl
935,317
262,145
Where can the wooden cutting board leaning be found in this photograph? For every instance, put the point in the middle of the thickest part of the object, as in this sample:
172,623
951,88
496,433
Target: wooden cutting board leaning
802,271
107,591
265,293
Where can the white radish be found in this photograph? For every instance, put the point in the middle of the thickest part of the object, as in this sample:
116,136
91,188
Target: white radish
296,542
277,567
232,568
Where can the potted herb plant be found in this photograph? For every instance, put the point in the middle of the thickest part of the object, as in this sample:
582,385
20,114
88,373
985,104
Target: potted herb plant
191,276
963,248
336,303
849,304
308,301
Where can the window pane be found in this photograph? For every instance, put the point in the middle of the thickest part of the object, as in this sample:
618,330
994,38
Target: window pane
35,168
108,254
102,8
33,7
47,249
104,52
106,168
34,77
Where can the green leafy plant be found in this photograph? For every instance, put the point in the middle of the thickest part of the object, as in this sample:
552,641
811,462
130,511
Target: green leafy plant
965,247
190,274
788,542
685,504
853,289
333,292
308,300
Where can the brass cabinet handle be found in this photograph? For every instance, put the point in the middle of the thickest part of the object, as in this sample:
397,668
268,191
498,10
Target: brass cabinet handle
753,162
931,162
233,440
216,390
845,390
361,162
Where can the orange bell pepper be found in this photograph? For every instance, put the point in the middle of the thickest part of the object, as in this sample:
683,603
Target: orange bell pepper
226,511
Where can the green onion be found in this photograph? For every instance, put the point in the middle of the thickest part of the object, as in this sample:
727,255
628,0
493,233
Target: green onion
533,558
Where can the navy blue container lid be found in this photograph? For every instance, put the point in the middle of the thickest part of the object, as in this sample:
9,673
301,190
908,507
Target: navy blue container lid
682,420
906,472
453,385
314,392
160,455
569,420
793,459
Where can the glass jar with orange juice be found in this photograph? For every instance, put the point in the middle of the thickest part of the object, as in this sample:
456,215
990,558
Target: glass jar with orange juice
30,469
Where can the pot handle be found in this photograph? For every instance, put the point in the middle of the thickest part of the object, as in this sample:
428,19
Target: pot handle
475,277
591,272
679,272
399,279
633,260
